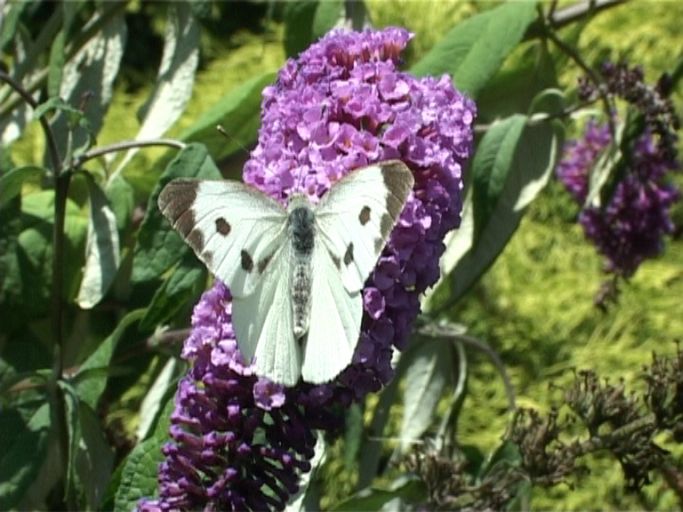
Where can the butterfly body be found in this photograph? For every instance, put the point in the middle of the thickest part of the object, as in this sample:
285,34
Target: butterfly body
301,225
296,274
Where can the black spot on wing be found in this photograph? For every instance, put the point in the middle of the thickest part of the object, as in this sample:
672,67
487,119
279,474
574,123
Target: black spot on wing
222,226
247,262
263,264
335,260
348,256
364,215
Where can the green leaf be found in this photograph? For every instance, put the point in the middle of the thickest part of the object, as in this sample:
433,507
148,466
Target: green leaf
513,88
90,390
35,248
94,460
299,16
157,396
8,27
56,65
57,104
11,182
175,78
371,450
238,112
158,245
472,249
102,249
17,471
353,436
121,197
139,470
474,50
57,57
89,78
328,15
428,369
407,490
491,166
187,280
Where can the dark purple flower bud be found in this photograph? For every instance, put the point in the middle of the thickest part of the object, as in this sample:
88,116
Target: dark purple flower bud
241,442
632,226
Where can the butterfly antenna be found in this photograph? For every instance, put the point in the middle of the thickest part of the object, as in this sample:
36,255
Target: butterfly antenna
225,134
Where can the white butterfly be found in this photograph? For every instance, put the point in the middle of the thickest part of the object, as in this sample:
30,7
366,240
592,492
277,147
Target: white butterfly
296,274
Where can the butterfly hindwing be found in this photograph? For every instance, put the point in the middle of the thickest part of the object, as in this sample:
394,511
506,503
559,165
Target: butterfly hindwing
334,322
264,326
356,216
234,229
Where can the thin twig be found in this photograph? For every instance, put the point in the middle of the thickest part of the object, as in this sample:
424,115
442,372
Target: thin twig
49,135
123,146
574,55
568,15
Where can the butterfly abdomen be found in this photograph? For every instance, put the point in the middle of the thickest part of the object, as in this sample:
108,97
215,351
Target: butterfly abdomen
302,235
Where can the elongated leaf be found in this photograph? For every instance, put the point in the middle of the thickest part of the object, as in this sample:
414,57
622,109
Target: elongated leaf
407,490
9,21
491,166
157,396
237,112
428,371
89,78
138,477
299,16
472,249
188,280
11,182
473,51
328,15
17,471
512,89
159,246
121,197
371,450
94,459
102,249
175,78
90,390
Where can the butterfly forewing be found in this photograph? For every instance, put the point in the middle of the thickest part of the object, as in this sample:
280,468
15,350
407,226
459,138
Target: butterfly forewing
357,215
234,229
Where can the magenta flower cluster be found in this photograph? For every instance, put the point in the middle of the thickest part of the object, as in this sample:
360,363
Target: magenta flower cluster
631,226
240,442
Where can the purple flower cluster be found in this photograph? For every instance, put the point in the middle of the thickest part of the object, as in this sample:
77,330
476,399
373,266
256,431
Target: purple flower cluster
631,226
241,442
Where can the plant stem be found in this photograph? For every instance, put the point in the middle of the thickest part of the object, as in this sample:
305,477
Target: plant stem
125,145
49,136
592,75
568,15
